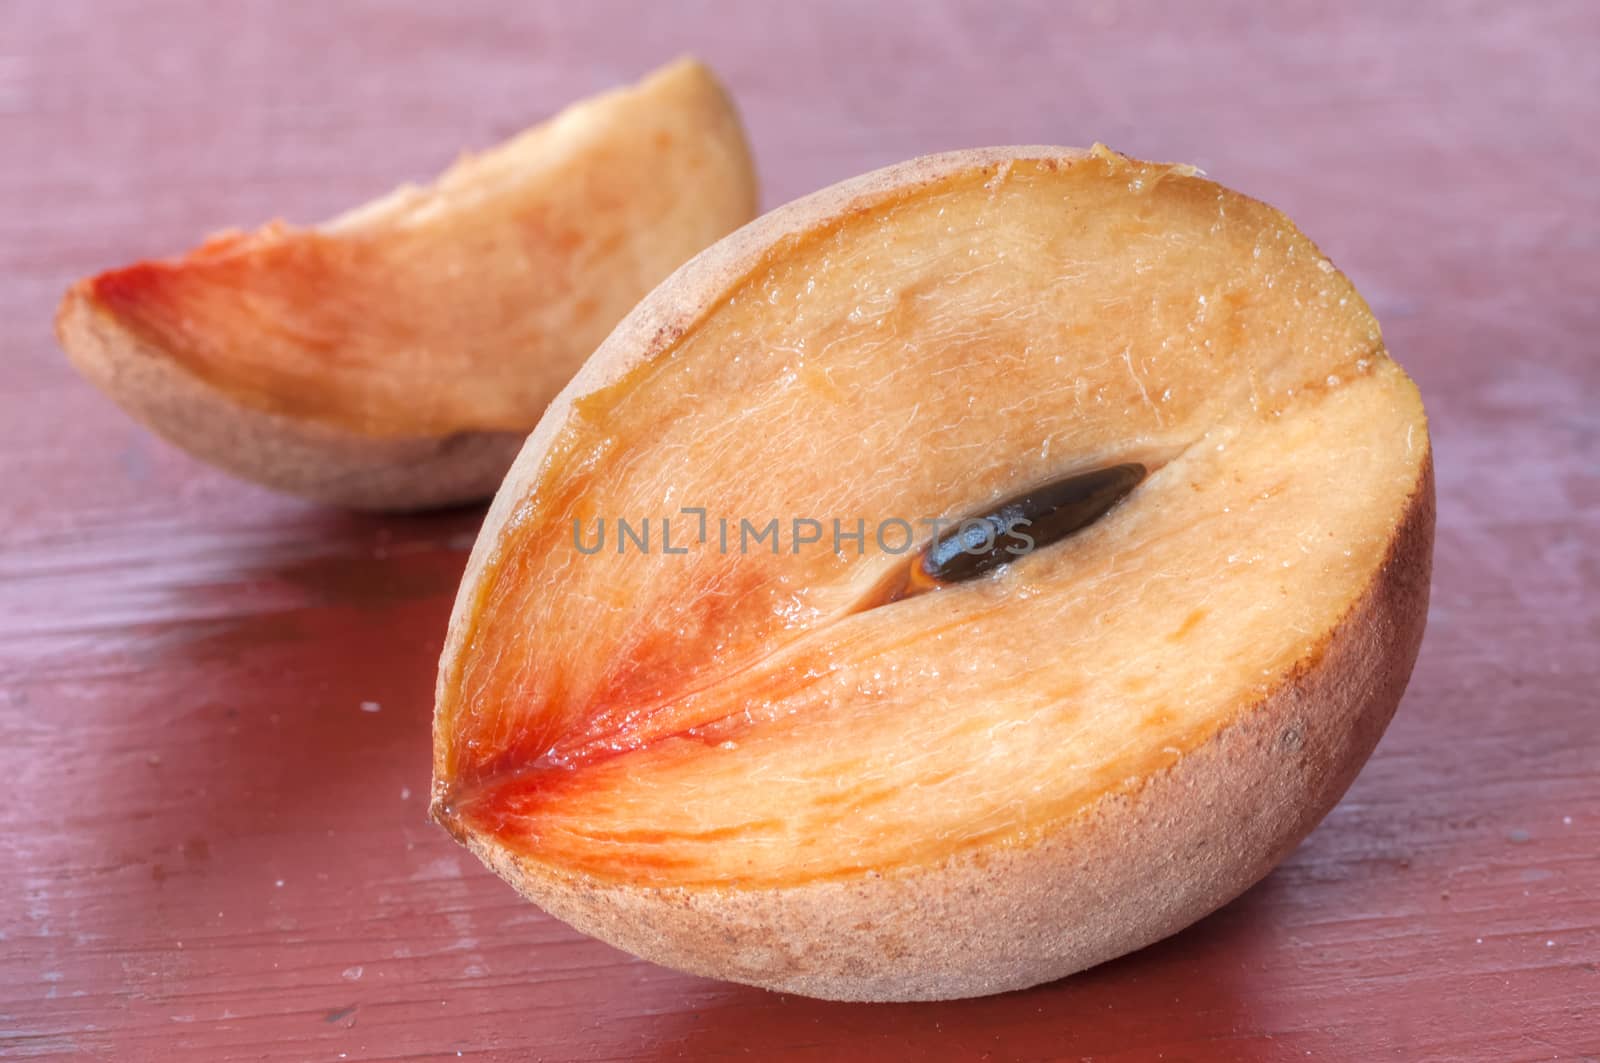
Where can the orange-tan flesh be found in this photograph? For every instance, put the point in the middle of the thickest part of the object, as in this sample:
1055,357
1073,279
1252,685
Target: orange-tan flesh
465,305
728,718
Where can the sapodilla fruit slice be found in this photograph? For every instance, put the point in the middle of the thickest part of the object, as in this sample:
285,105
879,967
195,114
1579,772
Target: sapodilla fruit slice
397,356
861,767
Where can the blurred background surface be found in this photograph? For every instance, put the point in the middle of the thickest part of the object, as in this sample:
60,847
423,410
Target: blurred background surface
214,702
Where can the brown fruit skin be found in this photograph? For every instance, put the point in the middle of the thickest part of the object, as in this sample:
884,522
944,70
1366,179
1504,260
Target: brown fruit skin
323,463
1139,863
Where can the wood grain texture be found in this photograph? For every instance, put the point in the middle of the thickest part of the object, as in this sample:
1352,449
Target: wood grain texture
214,702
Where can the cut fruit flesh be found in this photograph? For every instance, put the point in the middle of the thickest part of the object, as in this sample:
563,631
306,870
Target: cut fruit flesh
923,345
433,313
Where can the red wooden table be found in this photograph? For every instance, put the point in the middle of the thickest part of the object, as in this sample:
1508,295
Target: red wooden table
214,702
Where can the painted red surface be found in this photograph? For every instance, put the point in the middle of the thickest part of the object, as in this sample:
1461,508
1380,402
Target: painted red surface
214,702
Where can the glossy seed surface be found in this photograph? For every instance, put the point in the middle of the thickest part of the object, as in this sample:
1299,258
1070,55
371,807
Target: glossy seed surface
1026,522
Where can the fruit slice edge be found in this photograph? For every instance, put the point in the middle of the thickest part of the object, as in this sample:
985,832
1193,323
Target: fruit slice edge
459,307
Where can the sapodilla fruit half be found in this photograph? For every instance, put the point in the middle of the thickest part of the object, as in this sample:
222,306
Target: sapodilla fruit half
871,767
397,356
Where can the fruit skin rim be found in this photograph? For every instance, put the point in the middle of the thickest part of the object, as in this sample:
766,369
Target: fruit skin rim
878,940
324,463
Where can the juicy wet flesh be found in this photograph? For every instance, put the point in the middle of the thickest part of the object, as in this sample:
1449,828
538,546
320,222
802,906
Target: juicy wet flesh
716,717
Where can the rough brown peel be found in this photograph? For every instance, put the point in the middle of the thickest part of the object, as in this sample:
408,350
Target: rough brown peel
721,761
